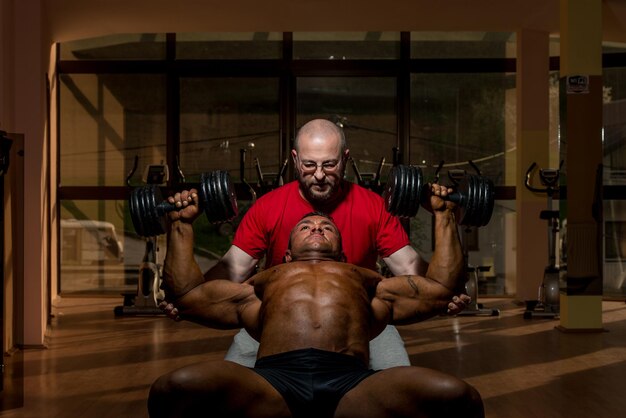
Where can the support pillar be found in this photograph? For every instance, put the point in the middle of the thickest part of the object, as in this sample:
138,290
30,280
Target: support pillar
533,126
581,136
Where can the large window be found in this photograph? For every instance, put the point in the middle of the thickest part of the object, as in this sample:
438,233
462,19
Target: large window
204,101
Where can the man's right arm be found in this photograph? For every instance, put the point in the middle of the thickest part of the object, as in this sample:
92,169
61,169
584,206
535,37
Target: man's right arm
221,304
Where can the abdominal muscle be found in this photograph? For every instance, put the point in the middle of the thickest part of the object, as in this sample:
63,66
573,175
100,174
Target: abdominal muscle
310,308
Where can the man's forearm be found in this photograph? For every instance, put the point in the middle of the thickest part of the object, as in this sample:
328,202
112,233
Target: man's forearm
181,272
447,263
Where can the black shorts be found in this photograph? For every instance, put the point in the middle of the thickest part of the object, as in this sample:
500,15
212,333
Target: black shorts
312,381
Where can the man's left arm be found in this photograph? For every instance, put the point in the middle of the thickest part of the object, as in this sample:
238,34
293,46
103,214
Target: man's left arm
407,261
411,297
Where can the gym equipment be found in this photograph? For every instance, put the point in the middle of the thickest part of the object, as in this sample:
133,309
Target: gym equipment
278,177
145,301
217,198
369,180
548,301
474,195
471,286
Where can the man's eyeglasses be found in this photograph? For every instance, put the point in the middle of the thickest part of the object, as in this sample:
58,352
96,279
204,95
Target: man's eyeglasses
310,167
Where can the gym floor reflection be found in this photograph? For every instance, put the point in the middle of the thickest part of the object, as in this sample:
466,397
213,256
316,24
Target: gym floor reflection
97,365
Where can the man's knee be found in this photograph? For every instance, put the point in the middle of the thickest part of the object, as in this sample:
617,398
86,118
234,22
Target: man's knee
457,395
175,394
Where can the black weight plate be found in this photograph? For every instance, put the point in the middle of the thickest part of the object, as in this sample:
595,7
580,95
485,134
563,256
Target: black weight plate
410,189
211,208
404,198
409,198
480,199
233,209
396,190
389,194
227,191
135,213
476,203
221,196
145,212
416,189
463,189
206,198
489,202
486,208
217,203
148,206
472,200
160,221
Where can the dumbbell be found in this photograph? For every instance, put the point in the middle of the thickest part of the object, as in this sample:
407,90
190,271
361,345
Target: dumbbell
474,195
217,199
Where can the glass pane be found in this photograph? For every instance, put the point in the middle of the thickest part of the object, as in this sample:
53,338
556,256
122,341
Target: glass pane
460,117
102,254
107,120
233,45
614,160
99,250
492,245
346,45
139,46
614,119
222,116
613,47
365,107
614,273
463,45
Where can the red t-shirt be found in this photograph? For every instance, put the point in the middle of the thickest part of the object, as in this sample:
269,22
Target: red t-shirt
367,229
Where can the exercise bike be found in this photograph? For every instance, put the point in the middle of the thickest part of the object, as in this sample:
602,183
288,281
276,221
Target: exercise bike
547,304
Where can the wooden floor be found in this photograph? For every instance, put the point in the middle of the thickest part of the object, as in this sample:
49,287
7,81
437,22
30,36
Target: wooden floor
97,365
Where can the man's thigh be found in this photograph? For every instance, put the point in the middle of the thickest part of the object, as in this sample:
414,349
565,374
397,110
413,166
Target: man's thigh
216,388
410,391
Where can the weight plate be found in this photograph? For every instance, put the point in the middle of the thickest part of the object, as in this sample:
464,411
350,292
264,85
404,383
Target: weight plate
480,189
396,189
489,202
149,206
204,193
143,212
160,221
416,190
220,196
476,203
409,197
473,199
135,214
404,196
211,206
389,194
487,208
233,209
146,216
463,190
227,203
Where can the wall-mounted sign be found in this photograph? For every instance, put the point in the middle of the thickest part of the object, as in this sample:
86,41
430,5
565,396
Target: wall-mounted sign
577,84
